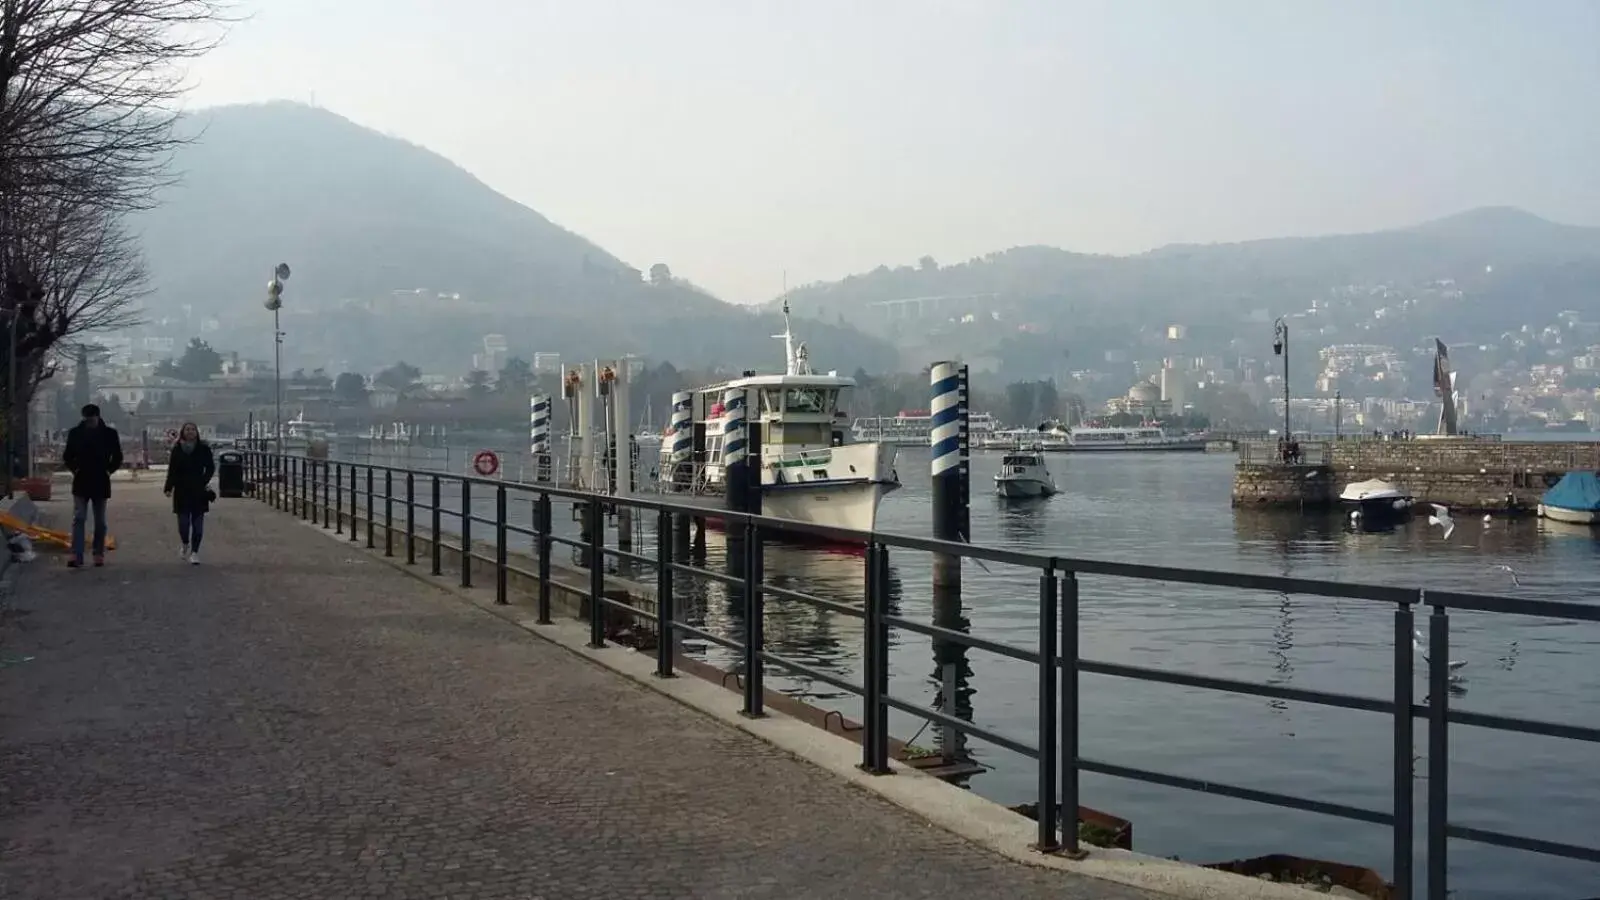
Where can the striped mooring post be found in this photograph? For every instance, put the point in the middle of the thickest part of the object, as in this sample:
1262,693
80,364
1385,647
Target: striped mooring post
682,441
539,435
951,500
735,478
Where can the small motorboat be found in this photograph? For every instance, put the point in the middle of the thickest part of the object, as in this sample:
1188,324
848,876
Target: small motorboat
1375,500
1023,474
1575,500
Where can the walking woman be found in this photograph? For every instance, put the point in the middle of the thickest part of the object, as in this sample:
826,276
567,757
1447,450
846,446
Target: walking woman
189,474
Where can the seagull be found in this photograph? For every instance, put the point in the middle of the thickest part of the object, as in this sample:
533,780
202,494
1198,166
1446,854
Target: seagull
1441,518
1509,571
1416,642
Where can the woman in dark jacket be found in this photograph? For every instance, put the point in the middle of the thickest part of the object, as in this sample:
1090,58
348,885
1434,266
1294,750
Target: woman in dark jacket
189,474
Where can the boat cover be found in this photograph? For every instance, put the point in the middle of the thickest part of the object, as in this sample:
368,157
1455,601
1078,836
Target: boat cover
1575,490
1360,489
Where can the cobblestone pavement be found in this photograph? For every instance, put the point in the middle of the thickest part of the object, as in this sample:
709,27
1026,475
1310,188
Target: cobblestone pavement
291,720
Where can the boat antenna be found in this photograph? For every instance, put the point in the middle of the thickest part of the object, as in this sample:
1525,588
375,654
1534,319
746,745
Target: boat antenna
791,361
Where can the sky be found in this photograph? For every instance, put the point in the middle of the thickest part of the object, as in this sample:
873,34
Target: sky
750,143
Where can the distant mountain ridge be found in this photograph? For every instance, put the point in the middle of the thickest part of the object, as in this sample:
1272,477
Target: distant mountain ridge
360,215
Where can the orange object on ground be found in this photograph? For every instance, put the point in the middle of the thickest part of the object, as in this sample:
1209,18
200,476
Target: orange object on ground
47,536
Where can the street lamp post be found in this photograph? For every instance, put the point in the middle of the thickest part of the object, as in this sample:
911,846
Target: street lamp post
11,399
274,302
1280,347
1338,413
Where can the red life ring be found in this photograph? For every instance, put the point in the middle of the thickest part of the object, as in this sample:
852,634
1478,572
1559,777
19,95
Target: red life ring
486,463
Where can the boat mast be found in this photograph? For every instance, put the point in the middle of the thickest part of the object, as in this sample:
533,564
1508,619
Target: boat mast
794,355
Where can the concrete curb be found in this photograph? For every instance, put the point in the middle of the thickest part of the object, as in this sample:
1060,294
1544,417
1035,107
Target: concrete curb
960,812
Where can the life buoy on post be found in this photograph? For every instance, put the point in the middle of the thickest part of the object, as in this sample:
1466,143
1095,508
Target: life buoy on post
486,463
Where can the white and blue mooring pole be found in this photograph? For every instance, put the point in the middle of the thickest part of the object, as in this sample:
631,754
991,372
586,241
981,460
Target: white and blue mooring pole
951,477
681,449
952,494
735,463
539,435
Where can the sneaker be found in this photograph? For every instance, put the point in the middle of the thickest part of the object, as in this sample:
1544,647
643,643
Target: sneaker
99,560
194,558
74,563
183,552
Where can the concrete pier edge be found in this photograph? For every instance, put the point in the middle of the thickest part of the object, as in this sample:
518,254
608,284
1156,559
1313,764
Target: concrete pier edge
963,813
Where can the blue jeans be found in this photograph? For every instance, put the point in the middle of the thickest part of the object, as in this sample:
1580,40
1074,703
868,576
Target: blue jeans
191,529
80,512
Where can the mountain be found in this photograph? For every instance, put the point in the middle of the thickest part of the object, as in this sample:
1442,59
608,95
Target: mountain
359,216
1028,307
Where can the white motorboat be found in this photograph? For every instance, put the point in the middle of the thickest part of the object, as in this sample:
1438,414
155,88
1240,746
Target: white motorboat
809,472
1376,499
1023,474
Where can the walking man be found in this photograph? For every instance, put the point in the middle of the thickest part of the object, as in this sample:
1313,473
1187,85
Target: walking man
93,452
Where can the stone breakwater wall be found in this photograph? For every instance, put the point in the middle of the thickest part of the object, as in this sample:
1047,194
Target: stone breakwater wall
1471,475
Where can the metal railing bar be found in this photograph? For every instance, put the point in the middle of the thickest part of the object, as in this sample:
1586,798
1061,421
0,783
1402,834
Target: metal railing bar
614,553
1221,789
963,639
717,639
1516,606
1518,842
844,609
812,672
975,730
1513,724
698,572
1233,686
626,607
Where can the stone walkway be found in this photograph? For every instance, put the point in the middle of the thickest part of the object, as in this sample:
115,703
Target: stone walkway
293,720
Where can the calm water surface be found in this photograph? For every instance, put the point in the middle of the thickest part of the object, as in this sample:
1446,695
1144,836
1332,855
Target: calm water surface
1173,509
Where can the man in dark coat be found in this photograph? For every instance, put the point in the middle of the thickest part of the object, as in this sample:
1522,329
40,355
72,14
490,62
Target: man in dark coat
94,451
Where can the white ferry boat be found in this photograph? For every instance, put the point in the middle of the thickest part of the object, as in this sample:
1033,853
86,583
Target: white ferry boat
914,428
1057,438
808,472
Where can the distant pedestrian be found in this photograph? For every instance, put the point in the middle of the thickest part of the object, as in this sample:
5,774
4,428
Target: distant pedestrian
189,473
93,452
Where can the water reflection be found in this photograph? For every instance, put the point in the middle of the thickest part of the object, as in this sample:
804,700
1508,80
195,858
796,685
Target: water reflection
1024,522
821,638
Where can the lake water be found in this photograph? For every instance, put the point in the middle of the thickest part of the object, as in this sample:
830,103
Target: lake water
1173,509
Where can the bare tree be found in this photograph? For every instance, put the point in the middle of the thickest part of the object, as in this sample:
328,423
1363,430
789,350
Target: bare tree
89,91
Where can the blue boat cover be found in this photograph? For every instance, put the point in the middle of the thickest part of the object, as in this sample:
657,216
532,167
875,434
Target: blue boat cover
1575,490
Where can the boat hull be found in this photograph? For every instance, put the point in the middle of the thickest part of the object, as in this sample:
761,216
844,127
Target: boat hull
1022,488
852,504
1169,447
1570,516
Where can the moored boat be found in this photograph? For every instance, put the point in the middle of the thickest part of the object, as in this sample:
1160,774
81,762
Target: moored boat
1376,499
1575,499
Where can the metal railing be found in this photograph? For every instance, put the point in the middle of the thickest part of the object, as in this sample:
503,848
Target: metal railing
311,488
1271,453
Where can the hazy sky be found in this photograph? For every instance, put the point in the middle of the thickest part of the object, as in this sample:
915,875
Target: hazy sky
736,139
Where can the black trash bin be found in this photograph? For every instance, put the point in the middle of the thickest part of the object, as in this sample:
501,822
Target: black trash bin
230,474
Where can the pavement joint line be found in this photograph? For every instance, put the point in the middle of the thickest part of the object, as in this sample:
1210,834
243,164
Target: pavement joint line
964,814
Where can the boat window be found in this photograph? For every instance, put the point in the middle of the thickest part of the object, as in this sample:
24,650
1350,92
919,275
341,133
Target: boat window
805,434
771,400
809,401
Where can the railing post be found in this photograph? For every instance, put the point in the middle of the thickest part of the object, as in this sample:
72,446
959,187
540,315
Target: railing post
1067,592
327,486
874,656
666,634
1438,751
1404,751
546,545
355,502
338,499
597,574
754,612
388,512
466,533
438,553
307,477
1049,679
372,513
500,544
411,518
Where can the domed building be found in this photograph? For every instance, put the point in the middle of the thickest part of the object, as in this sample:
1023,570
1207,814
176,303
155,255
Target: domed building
1143,399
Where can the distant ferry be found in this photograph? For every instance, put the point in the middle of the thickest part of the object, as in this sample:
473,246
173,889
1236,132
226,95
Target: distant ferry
914,428
1087,438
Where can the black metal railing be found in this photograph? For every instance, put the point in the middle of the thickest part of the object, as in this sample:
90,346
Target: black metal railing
292,483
